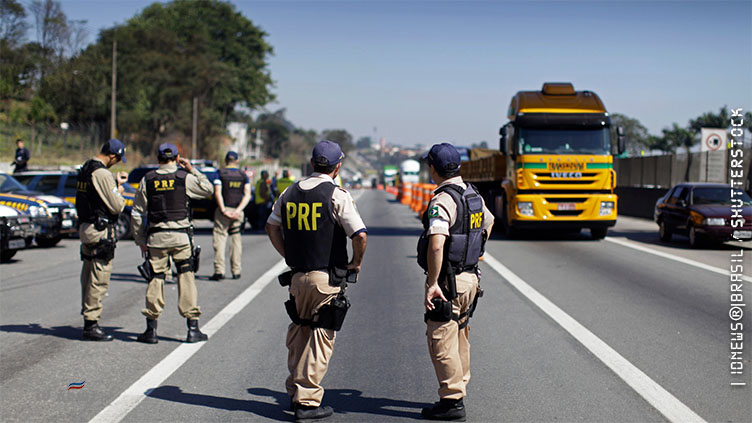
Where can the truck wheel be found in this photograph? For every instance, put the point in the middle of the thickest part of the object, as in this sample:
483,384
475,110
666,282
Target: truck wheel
123,228
48,242
6,255
664,233
598,233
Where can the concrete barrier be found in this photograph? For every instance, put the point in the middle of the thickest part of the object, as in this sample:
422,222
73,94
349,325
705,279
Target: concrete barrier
638,202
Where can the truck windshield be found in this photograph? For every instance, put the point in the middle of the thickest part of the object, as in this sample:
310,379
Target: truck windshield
564,141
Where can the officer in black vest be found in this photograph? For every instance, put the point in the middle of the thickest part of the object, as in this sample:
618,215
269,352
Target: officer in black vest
456,225
162,229
99,202
309,227
232,191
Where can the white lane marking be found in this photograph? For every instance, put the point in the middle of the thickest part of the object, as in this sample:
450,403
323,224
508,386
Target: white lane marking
674,257
131,397
662,400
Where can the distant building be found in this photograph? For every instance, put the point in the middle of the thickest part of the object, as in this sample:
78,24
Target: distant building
246,146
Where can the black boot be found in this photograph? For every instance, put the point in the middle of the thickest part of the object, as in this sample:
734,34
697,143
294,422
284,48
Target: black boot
194,333
446,409
92,332
150,335
217,277
306,412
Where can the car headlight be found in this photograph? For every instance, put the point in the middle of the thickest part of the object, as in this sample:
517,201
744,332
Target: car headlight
38,211
714,221
525,208
607,207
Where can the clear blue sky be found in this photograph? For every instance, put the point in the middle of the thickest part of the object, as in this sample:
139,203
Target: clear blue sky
423,72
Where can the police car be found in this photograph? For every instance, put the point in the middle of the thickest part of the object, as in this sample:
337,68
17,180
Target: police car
63,184
54,216
16,232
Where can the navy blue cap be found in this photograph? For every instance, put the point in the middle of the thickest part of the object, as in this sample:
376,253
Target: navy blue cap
168,150
327,153
114,146
231,155
444,157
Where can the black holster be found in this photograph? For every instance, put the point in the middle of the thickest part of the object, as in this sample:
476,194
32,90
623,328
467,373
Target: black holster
285,278
104,249
329,316
442,311
338,277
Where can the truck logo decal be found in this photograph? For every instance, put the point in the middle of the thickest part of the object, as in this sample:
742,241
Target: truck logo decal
569,166
576,175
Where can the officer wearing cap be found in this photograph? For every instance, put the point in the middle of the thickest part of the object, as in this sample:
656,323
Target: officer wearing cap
21,158
162,229
309,227
99,202
232,191
456,225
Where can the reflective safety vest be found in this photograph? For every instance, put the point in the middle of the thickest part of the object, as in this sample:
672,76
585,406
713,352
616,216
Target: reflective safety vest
233,186
314,240
167,196
89,204
466,242
283,183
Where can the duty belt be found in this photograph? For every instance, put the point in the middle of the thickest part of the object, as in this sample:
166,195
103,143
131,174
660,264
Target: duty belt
155,229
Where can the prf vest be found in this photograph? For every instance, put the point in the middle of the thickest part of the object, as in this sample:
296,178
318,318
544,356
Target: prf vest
314,240
167,197
466,241
89,204
233,186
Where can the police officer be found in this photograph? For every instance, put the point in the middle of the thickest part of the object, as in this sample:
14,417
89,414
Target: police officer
309,226
232,191
162,199
285,181
21,158
99,202
262,198
456,225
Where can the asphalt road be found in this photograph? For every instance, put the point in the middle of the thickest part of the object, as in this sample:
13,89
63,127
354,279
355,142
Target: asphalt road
541,354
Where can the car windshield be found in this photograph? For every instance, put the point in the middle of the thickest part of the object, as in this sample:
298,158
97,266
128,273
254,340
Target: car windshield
136,174
718,195
564,141
10,184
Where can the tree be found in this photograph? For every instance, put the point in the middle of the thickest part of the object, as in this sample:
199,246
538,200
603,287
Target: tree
364,143
635,134
13,24
52,32
340,136
711,120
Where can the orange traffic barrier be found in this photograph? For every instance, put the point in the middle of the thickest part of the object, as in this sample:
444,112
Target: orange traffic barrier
417,197
407,193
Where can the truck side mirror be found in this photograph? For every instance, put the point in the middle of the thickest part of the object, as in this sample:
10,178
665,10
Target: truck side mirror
620,139
503,139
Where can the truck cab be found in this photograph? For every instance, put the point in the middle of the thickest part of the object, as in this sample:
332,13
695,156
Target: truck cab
558,162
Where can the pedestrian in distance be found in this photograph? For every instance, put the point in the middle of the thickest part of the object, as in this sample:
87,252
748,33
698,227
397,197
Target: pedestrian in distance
455,228
21,159
285,181
232,191
162,229
263,199
99,202
309,227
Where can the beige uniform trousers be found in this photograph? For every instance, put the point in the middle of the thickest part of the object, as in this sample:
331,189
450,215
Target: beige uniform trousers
187,292
95,279
309,350
449,346
222,226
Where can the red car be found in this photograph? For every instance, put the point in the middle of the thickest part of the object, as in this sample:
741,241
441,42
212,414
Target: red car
704,212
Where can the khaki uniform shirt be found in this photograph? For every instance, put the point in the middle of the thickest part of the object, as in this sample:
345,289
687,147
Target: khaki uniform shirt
442,211
197,186
107,188
344,209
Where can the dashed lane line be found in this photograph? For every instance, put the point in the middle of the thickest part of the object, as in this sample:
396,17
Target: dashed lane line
673,257
137,392
662,400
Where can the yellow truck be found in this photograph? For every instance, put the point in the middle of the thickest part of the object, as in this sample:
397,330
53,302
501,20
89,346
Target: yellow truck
554,167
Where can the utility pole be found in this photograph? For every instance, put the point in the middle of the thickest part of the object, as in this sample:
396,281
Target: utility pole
113,129
195,127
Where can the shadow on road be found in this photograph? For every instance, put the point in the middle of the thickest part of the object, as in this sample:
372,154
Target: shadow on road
126,277
392,231
264,409
342,400
74,333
